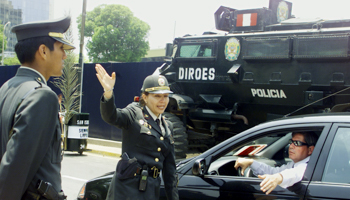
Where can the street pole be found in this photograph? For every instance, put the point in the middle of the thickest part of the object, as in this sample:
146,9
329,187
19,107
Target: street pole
3,43
81,59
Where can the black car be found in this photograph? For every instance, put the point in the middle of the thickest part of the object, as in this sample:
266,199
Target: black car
211,175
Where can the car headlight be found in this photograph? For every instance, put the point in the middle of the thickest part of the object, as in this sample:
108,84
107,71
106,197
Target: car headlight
81,193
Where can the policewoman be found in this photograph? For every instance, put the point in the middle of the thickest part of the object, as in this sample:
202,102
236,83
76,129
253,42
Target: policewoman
147,142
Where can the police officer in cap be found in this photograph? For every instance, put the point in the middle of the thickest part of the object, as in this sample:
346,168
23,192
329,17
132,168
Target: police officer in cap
147,140
30,131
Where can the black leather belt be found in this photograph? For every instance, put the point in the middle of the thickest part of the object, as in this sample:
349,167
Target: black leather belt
154,172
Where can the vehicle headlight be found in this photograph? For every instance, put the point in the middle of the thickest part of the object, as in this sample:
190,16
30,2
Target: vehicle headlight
81,193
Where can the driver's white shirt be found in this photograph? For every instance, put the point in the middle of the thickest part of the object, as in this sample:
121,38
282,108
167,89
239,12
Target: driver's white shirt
291,172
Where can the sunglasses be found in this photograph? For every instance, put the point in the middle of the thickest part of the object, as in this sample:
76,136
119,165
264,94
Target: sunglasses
297,143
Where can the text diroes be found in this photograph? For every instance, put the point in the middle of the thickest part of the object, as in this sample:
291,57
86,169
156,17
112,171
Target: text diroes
268,93
196,73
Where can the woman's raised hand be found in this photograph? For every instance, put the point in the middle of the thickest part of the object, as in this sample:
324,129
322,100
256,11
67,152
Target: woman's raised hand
106,81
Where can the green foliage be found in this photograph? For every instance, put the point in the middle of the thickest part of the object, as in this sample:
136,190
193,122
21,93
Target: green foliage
69,86
1,39
11,61
2,36
115,34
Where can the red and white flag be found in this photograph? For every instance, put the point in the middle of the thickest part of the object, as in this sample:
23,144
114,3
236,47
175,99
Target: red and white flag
247,19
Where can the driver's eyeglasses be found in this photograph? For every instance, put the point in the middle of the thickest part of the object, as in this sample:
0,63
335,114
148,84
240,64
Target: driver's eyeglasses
297,143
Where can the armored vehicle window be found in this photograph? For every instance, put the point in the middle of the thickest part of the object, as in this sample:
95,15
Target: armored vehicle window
196,49
266,48
199,50
330,46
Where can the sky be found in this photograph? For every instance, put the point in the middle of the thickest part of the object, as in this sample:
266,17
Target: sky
170,19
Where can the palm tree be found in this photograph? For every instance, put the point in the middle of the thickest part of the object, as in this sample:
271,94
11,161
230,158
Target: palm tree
69,85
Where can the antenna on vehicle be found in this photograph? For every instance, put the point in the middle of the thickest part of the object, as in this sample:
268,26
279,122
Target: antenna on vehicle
316,101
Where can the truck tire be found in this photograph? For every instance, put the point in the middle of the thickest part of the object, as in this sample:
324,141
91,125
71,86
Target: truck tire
180,135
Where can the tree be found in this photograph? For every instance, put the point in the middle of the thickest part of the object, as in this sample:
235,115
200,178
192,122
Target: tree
115,34
1,38
11,61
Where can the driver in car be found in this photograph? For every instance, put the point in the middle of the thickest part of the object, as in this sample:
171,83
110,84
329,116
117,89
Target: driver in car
301,147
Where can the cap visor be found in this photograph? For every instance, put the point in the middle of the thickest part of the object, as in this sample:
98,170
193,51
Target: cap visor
66,44
161,92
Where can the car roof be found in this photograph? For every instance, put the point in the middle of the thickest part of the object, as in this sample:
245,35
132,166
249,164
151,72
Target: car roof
338,117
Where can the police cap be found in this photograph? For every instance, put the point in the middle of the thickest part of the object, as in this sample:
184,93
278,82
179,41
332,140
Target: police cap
53,28
156,84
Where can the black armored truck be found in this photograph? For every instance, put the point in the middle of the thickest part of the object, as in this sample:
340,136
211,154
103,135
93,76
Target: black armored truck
267,64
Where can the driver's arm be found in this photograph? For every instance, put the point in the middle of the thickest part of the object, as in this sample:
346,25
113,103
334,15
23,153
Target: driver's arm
270,182
285,178
260,168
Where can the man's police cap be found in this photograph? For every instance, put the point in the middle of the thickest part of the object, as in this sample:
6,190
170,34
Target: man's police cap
157,84
53,28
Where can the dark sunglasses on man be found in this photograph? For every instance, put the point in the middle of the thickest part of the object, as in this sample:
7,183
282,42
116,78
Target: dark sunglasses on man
297,143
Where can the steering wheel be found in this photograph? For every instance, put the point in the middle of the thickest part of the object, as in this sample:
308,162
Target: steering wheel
247,172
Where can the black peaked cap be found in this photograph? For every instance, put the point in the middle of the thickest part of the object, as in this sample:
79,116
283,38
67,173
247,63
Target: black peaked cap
53,28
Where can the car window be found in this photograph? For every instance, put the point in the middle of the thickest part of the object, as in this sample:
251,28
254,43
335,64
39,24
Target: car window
337,168
269,148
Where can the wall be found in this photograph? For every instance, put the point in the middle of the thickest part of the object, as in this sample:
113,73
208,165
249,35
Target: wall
129,80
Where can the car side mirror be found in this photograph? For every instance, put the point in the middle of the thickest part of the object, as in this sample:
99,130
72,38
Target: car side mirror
199,167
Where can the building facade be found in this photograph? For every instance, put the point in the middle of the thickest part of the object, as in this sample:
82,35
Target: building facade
22,11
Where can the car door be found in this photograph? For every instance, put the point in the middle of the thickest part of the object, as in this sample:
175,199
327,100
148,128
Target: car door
230,186
331,179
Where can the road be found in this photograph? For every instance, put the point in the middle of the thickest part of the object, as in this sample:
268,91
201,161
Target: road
77,169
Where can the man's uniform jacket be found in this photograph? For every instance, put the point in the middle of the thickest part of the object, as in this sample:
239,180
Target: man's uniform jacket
142,139
34,150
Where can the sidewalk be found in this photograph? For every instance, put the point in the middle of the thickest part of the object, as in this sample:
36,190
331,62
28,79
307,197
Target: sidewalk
113,148
104,147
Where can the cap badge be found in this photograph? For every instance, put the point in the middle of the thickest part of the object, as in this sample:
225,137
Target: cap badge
161,81
53,34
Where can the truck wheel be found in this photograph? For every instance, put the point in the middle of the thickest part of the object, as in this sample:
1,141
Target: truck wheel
180,135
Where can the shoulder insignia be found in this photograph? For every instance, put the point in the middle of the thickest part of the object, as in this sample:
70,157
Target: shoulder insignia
146,116
171,139
141,121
